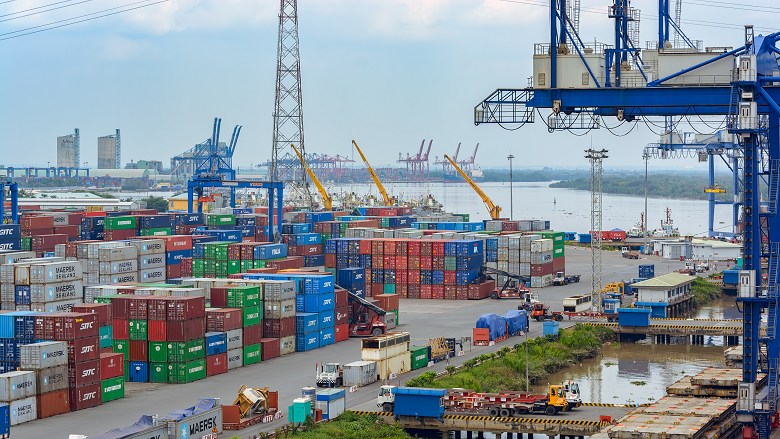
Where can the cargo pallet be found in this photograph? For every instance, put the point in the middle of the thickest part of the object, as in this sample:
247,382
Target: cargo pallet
252,421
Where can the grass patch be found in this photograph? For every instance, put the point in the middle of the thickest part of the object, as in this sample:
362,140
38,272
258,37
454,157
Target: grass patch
505,369
704,292
638,383
347,426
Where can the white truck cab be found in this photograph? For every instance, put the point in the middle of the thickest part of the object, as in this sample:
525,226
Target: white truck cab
330,375
386,399
571,391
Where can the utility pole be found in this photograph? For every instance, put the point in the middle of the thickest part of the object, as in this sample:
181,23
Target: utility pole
646,156
511,186
596,195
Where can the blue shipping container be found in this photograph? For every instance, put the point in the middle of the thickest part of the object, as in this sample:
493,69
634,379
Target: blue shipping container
154,221
307,342
351,276
412,401
174,258
93,235
203,239
327,336
92,222
22,295
10,244
585,237
315,303
306,322
10,231
216,343
358,290
307,239
314,261
648,271
139,372
327,319
633,317
270,251
5,420
246,221
224,235
318,284
24,325
550,328
190,219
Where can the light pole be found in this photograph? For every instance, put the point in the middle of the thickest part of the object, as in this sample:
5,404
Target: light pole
511,198
645,156
526,354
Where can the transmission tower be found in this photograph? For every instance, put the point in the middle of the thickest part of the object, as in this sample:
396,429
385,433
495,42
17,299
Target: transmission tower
288,109
596,195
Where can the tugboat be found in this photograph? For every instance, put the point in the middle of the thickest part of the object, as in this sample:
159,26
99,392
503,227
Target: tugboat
667,229
638,231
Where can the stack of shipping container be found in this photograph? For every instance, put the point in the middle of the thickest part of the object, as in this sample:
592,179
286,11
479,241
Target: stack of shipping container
48,363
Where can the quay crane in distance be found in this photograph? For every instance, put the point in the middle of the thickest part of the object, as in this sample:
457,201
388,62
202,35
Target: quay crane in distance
495,211
326,200
388,201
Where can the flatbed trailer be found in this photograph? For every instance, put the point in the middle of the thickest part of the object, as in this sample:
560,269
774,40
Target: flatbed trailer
506,404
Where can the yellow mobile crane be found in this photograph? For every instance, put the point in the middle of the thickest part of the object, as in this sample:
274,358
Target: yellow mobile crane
495,211
326,200
387,199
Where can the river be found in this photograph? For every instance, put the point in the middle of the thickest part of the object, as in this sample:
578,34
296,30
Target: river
567,209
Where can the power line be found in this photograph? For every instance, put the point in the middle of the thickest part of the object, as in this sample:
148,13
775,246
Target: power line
41,12
79,21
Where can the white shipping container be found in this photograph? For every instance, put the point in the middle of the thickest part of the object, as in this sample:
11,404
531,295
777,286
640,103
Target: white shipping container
287,345
541,258
514,255
149,246
332,409
524,225
59,250
151,261
93,248
278,290
525,256
394,365
525,269
154,275
503,242
10,258
17,385
44,293
492,265
44,354
63,306
279,310
503,265
514,242
525,241
541,281
117,253
55,272
91,278
8,306
180,292
52,379
514,268
235,339
93,265
541,246
503,254
118,278
390,320
7,292
23,308
23,410
235,358
359,373
119,267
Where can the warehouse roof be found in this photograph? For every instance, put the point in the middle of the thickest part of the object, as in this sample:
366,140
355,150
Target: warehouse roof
715,243
670,280
122,173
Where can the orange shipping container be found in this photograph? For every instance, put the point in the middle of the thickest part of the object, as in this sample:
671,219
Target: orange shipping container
388,302
53,403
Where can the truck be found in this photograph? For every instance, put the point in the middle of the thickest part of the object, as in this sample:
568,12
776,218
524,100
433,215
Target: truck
562,279
366,319
330,375
541,312
629,254
571,391
514,287
504,404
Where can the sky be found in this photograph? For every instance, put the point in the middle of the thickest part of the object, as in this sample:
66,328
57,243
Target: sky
386,73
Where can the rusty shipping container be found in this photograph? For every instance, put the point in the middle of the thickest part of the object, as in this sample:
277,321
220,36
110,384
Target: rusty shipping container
83,349
186,330
73,326
224,319
53,403
269,348
186,308
103,311
138,350
85,397
278,328
82,374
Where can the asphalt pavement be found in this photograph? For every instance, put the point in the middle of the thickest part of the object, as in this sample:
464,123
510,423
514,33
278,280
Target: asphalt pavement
424,319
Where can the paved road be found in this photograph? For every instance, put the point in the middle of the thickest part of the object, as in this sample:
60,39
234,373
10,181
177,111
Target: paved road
423,318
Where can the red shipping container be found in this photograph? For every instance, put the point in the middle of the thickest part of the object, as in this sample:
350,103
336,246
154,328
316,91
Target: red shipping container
342,333
73,326
224,319
426,263
450,278
111,366
559,264
177,242
69,231
377,289
413,277
138,350
38,232
84,349
137,307
120,329
157,308
109,350
437,291
173,271
253,334
119,307
103,311
47,242
437,247
401,275
185,330
44,326
330,260
269,348
413,291
276,328
342,315
541,269
450,292
426,292
74,218
157,330
219,297
82,374
437,263
53,404
85,397
341,297
36,222
118,235
401,290
186,308
388,302
217,364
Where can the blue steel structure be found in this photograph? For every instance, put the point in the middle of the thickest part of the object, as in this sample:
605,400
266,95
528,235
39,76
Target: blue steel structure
749,101
214,169
13,188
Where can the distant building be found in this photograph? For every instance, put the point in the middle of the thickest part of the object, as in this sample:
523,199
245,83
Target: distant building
109,151
68,150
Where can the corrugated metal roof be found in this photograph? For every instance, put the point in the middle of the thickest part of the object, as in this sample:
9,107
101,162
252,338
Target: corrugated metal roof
667,280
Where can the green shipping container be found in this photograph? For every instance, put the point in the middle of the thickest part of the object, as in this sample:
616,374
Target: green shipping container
419,356
138,329
106,299
26,243
243,297
158,352
127,369
558,252
220,220
333,271
259,264
465,216
113,388
183,351
122,347
253,315
325,236
252,354
120,223
158,373
247,265
106,337
162,231
234,266
389,289
557,237
395,311
187,372
450,263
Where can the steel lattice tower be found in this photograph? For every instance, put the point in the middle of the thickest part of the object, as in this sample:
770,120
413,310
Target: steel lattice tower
596,195
288,109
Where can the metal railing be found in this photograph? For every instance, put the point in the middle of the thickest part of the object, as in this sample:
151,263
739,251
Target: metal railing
588,48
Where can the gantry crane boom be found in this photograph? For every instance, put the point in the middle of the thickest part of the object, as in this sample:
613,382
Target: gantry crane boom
387,200
326,200
495,211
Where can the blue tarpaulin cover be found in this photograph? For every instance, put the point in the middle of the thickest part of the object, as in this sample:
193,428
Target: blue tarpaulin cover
120,433
518,320
495,323
202,405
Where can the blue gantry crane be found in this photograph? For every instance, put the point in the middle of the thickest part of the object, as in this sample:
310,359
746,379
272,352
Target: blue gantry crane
596,81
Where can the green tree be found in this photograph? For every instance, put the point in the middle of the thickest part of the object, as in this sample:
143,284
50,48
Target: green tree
158,203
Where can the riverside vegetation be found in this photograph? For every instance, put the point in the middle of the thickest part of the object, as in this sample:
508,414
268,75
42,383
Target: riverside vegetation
505,369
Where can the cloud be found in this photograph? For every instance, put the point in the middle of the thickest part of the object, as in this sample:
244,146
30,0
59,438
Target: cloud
121,49
181,15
